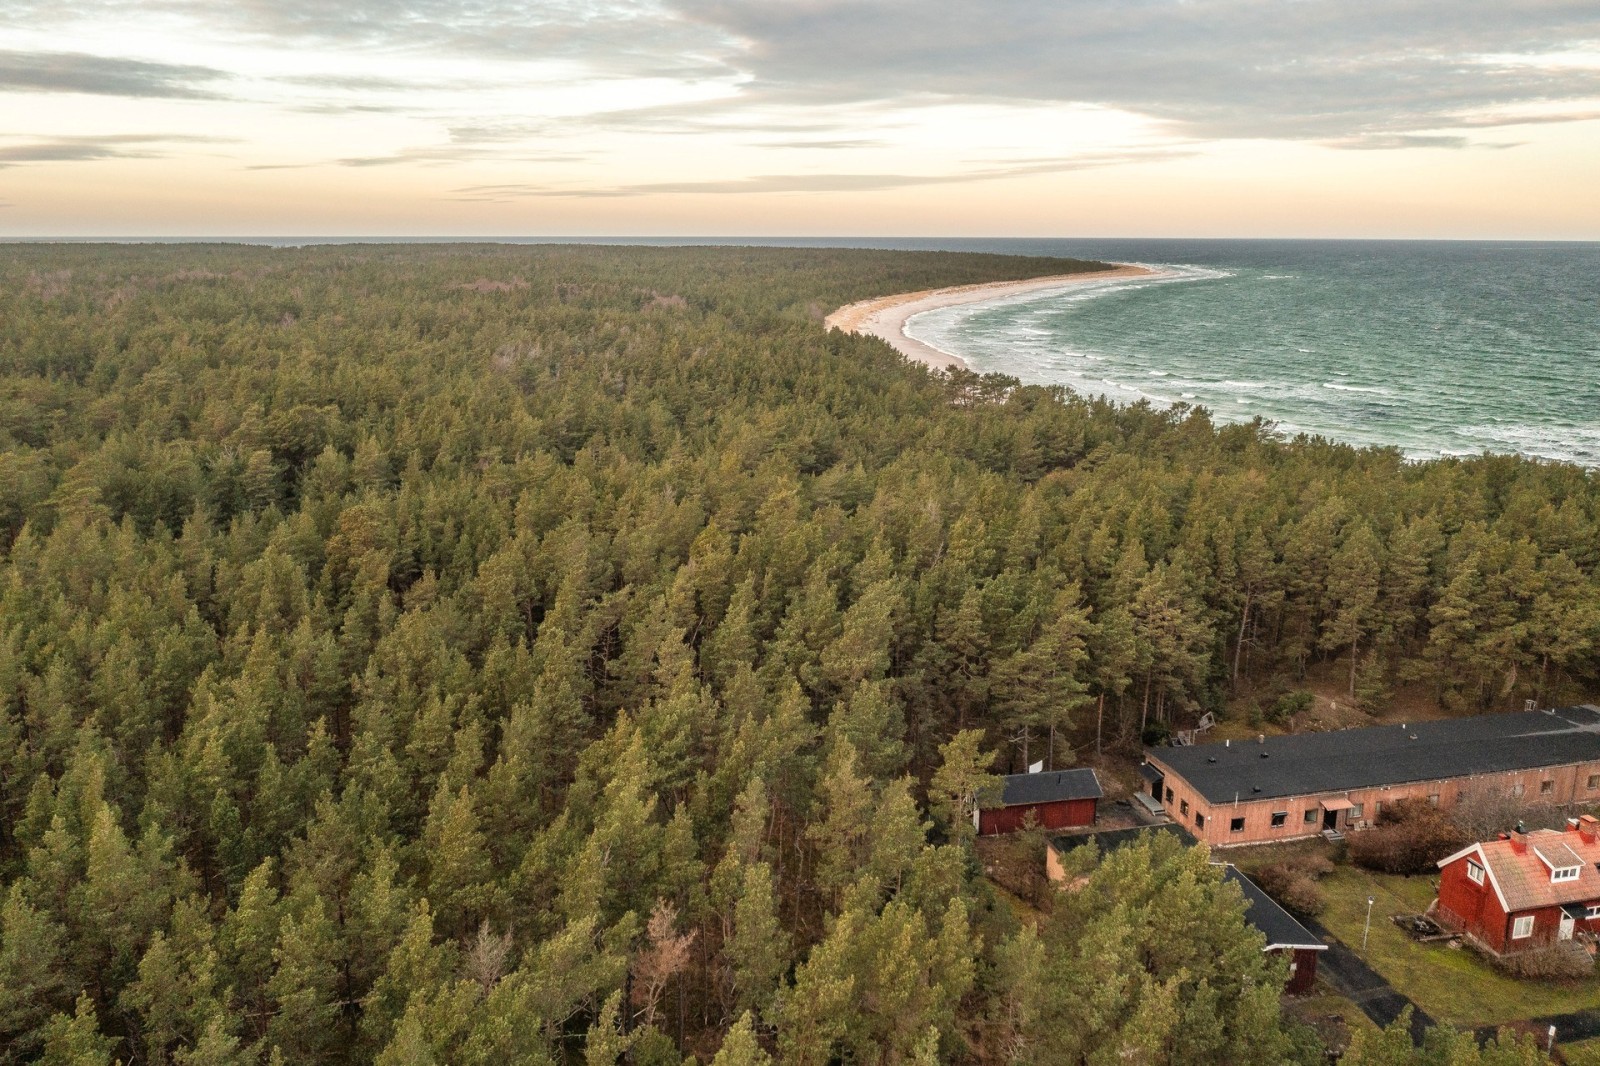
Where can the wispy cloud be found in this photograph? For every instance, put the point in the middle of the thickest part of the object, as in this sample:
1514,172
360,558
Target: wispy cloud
76,72
808,183
85,149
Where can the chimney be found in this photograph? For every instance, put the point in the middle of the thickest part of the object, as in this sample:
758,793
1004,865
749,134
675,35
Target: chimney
1519,839
1572,825
1588,828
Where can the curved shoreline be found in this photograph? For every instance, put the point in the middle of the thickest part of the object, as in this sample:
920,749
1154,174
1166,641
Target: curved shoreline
885,317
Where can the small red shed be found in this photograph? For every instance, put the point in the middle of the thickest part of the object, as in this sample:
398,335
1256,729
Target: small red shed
1524,890
1285,935
1059,799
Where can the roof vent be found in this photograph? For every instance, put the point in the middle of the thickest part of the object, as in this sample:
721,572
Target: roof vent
1255,788
1266,755
1413,736
1211,758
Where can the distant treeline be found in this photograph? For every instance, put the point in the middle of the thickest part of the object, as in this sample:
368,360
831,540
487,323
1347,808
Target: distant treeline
540,654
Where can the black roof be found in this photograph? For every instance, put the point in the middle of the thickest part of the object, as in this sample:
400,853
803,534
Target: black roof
1112,839
1312,763
1275,923
1050,786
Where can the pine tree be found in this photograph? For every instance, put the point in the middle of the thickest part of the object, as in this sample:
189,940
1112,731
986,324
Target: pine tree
740,1047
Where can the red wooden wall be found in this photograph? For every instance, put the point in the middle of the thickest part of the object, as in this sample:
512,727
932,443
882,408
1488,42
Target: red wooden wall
1062,814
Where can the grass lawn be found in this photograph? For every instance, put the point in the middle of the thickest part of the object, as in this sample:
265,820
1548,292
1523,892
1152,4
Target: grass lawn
1583,1053
1453,985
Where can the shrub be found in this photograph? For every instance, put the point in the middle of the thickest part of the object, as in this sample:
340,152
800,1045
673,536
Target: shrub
1294,884
1564,960
1290,704
1410,838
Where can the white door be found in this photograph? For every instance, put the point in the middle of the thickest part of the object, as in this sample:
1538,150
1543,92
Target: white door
1565,932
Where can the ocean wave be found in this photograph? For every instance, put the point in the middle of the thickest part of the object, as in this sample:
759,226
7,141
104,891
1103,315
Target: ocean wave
1375,389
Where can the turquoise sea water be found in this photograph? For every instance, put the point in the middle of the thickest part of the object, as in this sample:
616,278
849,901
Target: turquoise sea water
1435,348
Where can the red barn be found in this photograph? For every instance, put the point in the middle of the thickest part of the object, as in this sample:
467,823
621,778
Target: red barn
1059,799
1525,889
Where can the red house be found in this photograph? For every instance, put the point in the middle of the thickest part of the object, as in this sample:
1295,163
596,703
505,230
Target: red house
1525,889
1059,799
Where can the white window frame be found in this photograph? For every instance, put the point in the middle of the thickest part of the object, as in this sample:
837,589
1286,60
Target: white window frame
1522,927
1565,873
1474,872
1593,912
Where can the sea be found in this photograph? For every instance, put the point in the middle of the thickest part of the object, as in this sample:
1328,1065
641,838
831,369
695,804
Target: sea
1436,348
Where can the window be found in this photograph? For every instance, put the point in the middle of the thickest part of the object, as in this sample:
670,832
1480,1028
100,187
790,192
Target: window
1433,800
1199,820
1593,913
1355,811
1236,826
1522,928
1516,789
1311,815
1564,873
1279,818
1546,787
1183,806
1169,797
1474,872
1377,809
1594,781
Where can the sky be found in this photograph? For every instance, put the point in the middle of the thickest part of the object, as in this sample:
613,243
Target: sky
1200,118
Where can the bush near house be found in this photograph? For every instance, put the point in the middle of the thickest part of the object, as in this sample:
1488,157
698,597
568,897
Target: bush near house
1563,961
1410,837
1293,883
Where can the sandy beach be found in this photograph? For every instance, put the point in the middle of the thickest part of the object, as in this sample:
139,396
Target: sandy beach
885,317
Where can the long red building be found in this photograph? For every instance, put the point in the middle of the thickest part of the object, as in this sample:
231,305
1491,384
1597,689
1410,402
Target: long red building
1524,890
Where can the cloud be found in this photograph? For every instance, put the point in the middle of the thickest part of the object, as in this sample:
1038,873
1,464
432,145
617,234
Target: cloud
810,183
833,145
76,72
1377,74
87,149
1215,68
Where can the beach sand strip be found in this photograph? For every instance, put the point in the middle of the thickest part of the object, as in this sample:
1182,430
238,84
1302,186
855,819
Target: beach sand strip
885,317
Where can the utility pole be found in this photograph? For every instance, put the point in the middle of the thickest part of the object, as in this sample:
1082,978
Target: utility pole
1370,901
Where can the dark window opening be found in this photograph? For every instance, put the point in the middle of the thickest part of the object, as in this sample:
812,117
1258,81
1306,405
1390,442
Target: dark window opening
1237,825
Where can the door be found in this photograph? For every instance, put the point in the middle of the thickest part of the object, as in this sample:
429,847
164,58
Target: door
1565,930
1330,819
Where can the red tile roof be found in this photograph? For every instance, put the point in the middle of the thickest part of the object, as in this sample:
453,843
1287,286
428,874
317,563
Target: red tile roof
1522,877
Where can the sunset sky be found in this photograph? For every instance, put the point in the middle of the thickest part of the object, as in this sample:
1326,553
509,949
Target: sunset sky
1389,118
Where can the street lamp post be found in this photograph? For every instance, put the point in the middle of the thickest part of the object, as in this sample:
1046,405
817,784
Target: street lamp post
1368,929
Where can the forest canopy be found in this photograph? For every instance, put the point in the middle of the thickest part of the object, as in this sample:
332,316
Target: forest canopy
540,654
